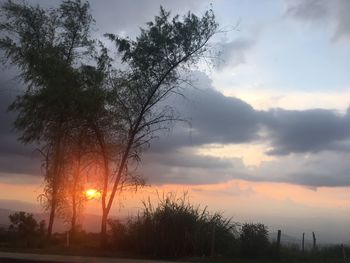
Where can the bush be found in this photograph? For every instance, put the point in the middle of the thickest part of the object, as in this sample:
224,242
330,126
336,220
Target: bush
25,231
119,234
175,228
254,239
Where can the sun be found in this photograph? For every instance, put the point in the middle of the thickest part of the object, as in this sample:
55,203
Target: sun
92,194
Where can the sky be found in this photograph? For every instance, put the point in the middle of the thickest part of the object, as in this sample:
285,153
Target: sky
269,133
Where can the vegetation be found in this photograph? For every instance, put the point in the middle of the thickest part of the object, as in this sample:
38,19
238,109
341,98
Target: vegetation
153,62
47,47
24,231
87,111
175,228
84,109
254,239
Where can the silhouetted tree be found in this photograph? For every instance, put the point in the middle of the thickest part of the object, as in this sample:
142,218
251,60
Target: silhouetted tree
117,105
47,46
154,66
25,228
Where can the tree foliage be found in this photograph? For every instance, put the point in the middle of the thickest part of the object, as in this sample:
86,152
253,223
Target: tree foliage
26,231
80,104
153,65
254,239
48,46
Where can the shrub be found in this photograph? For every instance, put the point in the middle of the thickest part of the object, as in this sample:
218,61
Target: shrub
118,234
25,231
254,239
175,228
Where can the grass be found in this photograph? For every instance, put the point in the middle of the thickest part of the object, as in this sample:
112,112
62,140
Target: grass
174,229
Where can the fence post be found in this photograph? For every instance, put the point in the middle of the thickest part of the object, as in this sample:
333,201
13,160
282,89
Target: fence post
314,240
303,243
278,245
344,252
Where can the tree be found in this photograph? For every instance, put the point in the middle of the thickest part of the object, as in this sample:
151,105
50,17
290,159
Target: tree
81,154
73,85
153,65
26,228
254,239
46,46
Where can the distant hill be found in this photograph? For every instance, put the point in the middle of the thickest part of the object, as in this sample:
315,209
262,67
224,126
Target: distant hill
19,206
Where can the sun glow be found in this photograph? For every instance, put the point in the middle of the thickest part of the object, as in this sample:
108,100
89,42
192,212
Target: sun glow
92,194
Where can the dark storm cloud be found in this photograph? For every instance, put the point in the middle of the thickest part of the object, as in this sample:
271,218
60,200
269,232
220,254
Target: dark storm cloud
320,179
212,118
217,119
220,119
19,164
335,13
305,131
184,167
14,156
324,169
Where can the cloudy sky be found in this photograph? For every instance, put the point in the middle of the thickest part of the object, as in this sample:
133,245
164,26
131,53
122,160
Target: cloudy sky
269,138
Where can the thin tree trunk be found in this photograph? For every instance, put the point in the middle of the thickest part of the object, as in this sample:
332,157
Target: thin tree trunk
52,217
104,241
105,210
74,214
74,194
55,183
53,206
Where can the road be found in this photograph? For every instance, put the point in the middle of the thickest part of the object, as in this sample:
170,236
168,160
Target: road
6,257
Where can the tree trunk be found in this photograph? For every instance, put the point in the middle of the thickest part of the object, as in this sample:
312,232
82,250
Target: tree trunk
51,219
105,210
104,236
74,197
55,183
74,216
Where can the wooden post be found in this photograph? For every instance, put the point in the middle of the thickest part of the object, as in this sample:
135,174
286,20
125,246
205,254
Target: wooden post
344,252
314,240
212,248
278,244
303,243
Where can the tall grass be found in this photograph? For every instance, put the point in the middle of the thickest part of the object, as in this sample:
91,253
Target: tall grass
174,228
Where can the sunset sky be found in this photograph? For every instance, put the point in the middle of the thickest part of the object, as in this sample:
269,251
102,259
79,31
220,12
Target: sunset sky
269,133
